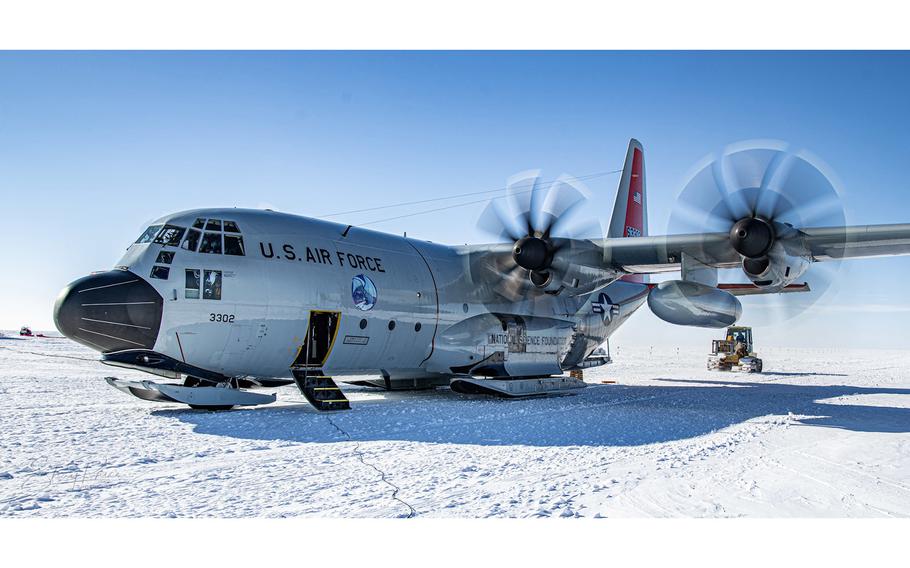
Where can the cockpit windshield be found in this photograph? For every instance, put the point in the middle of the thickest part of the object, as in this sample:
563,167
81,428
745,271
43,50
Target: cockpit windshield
148,235
214,236
211,243
167,235
191,241
207,236
170,235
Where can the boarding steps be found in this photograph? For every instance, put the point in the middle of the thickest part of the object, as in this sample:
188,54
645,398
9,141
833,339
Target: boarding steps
320,390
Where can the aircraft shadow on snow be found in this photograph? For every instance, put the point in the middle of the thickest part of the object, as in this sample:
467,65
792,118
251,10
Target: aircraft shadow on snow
601,415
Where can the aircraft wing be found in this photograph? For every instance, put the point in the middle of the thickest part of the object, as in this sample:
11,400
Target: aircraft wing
859,241
654,254
663,253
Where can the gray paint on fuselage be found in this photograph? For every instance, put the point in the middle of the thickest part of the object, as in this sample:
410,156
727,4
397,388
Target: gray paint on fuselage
310,268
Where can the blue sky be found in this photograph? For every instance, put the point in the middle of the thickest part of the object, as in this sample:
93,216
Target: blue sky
94,145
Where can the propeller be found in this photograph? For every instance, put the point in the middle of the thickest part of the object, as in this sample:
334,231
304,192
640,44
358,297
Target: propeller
762,194
543,225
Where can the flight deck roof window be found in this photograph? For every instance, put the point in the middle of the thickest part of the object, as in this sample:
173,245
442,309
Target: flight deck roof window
170,235
148,235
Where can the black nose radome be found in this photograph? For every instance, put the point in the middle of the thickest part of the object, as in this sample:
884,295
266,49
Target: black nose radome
110,311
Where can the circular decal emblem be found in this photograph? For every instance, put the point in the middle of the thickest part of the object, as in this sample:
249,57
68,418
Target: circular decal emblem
363,292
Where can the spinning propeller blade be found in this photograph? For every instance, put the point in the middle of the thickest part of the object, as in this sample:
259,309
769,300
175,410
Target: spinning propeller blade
542,225
761,194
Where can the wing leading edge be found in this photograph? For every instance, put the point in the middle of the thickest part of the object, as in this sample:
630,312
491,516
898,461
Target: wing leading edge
655,254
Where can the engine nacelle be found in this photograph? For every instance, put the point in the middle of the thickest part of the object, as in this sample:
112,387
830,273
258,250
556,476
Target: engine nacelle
776,269
682,302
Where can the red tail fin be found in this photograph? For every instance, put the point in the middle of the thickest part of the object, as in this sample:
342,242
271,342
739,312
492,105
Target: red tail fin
630,213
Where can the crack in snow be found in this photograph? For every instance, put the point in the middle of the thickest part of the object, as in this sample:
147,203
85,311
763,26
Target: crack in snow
395,489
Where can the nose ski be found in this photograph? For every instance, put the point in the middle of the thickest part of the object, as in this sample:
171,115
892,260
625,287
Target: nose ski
221,397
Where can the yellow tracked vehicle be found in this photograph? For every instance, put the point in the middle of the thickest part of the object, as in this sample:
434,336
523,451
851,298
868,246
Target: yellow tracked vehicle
735,352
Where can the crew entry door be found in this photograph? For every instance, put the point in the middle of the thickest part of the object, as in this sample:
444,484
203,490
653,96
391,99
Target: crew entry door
322,329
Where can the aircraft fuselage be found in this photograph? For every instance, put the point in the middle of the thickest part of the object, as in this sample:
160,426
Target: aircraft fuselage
242,304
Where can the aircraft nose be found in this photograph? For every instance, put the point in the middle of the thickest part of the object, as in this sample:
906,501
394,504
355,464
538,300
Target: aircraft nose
110,311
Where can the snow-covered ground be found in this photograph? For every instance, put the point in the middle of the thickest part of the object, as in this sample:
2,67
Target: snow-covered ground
821,433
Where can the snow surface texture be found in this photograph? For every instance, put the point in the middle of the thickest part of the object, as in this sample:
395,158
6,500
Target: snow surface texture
821,433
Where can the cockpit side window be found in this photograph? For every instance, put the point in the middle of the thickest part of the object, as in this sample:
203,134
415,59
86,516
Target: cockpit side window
191,242
213,225
211,243
161,272
192,283
231,227
200,223
233,245
170,235
148,235
211,285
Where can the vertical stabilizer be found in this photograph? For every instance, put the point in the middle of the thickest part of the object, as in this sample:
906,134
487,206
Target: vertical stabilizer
630,213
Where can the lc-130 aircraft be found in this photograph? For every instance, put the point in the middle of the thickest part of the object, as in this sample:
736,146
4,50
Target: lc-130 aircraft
229,301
